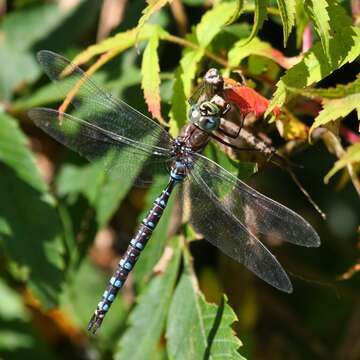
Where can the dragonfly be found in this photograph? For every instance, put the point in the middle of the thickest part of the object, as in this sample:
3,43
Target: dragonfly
227,212
250,106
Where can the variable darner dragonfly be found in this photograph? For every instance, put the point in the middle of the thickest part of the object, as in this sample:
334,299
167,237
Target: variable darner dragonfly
227,212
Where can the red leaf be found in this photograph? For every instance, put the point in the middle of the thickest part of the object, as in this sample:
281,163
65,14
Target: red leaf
247,99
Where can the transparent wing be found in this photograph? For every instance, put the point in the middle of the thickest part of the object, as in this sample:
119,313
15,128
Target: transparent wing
117,154
237,219
99,107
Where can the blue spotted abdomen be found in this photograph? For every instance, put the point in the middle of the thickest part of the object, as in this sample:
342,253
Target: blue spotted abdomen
137,244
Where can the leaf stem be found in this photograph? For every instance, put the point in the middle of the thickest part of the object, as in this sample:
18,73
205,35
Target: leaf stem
186,43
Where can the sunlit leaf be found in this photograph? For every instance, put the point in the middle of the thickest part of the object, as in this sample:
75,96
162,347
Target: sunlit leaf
151,9
335,109
184,77
287,12
147,320
200,330
243,49
291,128
302,21
318,12
341,90
260,15
351,156
213,21
150,71
120,42
237,12
314,67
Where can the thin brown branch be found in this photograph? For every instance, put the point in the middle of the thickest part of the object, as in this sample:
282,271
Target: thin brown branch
178,11
185,43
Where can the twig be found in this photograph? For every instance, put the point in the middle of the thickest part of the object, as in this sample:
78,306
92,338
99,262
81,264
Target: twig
209,54
178,11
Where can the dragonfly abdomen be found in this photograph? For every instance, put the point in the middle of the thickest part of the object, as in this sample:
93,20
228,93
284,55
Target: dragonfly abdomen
129,259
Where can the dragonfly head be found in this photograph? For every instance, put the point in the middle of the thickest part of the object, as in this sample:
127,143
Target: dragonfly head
205,115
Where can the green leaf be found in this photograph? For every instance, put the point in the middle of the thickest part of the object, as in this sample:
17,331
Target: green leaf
106,189
339,91
178,113
80,298
213,21
155,247
335,109
153,7
120,42
20,33
315,67
237,12
15,153
11,306
147,320
200,330
302,20
184,77
260,15
33,235
351,156
318,12
287,12
243,49
150,71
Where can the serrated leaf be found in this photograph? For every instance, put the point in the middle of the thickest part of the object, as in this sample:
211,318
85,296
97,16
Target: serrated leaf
287,12
237,12
200,330
339,91
318,12
213,21
120,42
243,49
302,21
151,9
260,15
177,114
184,77
15,153
351,156
315,67
33,236
150,83
147,320
335,109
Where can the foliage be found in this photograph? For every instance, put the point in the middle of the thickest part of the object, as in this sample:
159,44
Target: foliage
53,204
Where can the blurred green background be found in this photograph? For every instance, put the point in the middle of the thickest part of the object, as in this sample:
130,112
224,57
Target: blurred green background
63,226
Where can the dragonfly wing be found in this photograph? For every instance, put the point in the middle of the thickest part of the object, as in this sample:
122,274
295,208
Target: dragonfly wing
218,226
265,218
117,154
99,107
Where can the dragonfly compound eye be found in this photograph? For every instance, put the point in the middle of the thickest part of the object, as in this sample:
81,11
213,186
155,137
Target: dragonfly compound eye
209,123
194,114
